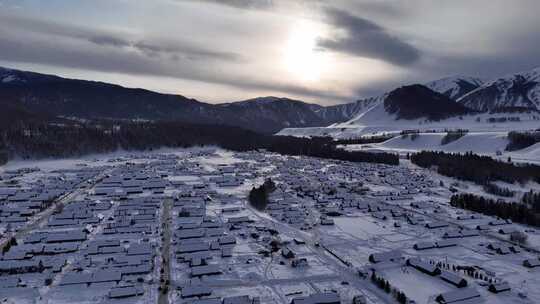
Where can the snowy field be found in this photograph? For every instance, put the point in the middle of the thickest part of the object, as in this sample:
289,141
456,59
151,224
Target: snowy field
487,135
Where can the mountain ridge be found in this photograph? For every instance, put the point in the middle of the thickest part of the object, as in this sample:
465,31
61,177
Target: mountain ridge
520,89
57,96
66,97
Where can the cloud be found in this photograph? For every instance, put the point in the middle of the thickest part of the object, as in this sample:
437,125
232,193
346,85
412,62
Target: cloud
108,40
186,51
174,49
361,37
243,4
106,52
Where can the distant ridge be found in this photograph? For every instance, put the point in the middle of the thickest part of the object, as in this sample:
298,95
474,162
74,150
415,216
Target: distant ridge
57,96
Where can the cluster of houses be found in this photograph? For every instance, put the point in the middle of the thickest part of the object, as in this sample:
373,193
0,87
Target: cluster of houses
21,201
98,237
113,234
201,241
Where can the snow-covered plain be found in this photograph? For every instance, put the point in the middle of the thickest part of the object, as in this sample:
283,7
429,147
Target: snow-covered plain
485,135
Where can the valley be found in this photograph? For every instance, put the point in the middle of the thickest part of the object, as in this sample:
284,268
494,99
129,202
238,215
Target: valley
176,226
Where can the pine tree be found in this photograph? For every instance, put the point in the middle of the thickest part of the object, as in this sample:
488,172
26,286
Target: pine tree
386,286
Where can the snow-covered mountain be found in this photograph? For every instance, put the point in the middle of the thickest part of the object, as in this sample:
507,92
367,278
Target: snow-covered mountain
403,108
344,112
455,86
55,96
10,76
519,90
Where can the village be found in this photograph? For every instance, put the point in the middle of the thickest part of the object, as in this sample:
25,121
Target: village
177,227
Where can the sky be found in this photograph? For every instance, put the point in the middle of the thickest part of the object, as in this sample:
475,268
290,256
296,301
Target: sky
324,52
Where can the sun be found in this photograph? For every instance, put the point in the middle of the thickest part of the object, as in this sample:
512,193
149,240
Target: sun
301,57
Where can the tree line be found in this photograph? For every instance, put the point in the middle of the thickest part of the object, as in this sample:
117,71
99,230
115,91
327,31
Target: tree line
523,213
375,139
521,140
532,199
476,168
497,190
43,140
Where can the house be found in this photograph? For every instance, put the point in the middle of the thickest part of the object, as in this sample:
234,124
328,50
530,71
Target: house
199,271
191,233
424,245
389,256
227,240
226,252
230,209
531,263
61,237
125,292
469,233
299,241
483,227
193,247
470,295
380,215
100,276
446,243
9,282
207,301
453,279
499,287
500,249
239,219
452,234
24,266
507,230
498,222
327,222
140,249
436,225
318,298
239,300
195,291
423,266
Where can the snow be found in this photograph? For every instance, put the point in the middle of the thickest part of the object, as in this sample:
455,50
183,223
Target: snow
504,86
484,137
352,239
486,132
451,85
479,142
9,78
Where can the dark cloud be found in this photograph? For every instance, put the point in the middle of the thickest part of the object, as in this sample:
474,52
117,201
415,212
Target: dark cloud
244,4
173,49
108,40
364,38
185,51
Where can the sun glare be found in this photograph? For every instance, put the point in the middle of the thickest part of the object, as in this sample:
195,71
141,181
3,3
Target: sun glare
300,56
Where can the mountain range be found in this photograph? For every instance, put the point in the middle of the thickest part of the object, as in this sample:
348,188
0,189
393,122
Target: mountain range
30,94
57,96
519,90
